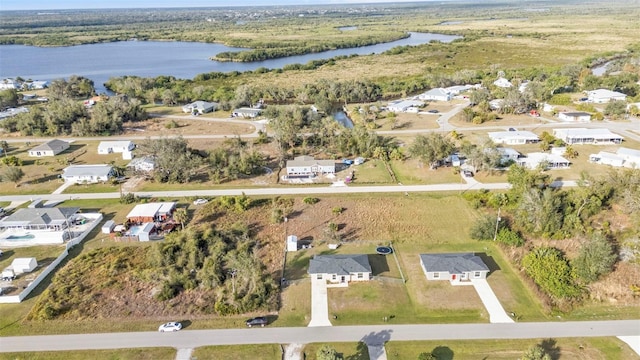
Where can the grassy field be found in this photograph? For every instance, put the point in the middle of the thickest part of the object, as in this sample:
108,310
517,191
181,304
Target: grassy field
350,351
565,348
118,354
239,352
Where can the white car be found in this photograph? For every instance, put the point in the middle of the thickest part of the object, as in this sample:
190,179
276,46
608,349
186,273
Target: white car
170,326
200,201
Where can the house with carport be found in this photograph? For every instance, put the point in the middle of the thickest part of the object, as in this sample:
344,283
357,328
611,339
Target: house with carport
400,106
87,174
513,137
151,212
246,112
457,268
340,269
307,166
574,136
549,161
200,107
109,147
574,116
49,148
623,157
602,96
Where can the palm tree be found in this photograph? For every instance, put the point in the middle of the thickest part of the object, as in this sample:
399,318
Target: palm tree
181,216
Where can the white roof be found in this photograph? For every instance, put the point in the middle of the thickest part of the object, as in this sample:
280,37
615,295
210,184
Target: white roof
627,153
437,92
604,93
403,104
585,133
513,135
22,262
508,151
151,209
114,144
607,155
87,170
502,82
534,159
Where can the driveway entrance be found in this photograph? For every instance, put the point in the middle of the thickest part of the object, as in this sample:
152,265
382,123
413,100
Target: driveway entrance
319,303
490,301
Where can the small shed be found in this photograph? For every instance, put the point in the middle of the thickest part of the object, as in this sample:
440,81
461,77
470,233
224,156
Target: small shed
108,227
292,243
24,265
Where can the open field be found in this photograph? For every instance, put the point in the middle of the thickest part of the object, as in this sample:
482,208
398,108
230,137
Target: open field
565,348
119,354
240,352
350,351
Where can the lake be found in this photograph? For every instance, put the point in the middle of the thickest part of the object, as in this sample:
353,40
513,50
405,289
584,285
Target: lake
184,60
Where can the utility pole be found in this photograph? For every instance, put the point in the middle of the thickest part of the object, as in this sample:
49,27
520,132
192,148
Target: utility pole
495,234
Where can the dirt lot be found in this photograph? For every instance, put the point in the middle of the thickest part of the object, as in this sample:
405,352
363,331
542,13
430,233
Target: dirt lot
195,126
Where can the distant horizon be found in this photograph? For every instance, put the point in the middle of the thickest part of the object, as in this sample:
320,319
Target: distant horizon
11,5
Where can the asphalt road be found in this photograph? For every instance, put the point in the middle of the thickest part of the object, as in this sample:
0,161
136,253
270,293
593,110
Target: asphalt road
369,334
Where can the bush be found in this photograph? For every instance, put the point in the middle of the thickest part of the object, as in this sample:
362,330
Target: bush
485,228
551,271
310,200
509,237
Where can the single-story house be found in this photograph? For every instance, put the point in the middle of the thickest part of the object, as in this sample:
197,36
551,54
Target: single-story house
35,84
523,86
24,265
82,174
340,268
513,137
109,147
50,148
9,83
151,212
508,154
437,94
587,136
455,267
200,107
551,161
403,105
496,104
54,219
458,89
576,116
601,96
143,164
246,112
624,157
503,83
302,166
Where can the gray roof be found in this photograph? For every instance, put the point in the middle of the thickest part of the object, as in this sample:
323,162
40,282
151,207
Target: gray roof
38,216
87,170
52,145
454,263
308,161
339,264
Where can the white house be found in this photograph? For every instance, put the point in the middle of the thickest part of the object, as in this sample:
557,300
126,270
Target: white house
35,85
624,157
50,148
513,137
246,112
437,94
200,107
587,136
455,267
110,147
458,89
496,104
575,116
24,265
81,174
402,105
550,161
8,84
33,219
142,164
631,156
503,83
601,96
340,268
151,212
306,166
508,154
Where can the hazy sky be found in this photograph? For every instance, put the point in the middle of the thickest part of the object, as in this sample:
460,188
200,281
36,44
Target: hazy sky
101,4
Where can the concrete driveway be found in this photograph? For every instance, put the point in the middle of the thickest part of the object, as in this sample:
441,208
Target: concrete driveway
319,303
490,301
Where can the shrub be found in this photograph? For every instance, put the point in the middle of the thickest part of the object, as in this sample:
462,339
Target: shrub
509,237
485,228
310,200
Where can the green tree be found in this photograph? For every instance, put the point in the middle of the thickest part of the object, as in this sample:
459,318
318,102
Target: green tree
431,148
427,356
596,258
8,98
13,174
535,352
181,215
551,271
4,145
327,352
485,228
540,211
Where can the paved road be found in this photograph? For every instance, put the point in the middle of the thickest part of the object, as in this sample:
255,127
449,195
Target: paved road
378,334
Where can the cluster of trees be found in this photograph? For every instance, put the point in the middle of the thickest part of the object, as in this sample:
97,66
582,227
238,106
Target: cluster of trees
8,98
224,264
534,207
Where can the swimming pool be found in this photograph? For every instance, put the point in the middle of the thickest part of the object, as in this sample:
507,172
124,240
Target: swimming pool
20,237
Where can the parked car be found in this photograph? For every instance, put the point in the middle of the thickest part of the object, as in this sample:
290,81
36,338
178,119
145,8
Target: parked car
200,201
170,326
433,111
467,173
260,320
512,129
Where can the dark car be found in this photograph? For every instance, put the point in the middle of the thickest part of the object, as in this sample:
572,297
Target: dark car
468,173
261,320
433,111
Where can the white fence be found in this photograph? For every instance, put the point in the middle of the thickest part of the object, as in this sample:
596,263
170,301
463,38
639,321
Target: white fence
14,299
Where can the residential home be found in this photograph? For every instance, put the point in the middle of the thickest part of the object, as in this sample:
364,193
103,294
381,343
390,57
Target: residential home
83,174
601,96
455,267
307,166
508,154
340,268
624,157
503,83
437,94
8,84
573,136
513,137
496,104
151,212
575,116
110,147
53,219
247,113
403,105
630,156
36,84
523,86
50,148
200,107
549,161
458,89
142,164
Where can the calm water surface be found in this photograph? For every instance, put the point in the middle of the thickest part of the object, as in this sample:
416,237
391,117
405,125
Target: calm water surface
183,60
